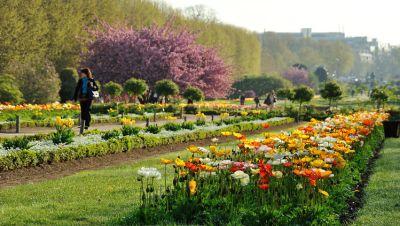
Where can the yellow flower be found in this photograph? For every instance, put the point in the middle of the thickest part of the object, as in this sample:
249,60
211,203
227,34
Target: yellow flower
127,121
237,135
244,113
182,174
179,162
200,115
165,161
318,163
326,194
224,115
193,149
192,187
170,118
226,133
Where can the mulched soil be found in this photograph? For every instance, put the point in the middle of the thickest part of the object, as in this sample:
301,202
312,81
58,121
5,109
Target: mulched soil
62,169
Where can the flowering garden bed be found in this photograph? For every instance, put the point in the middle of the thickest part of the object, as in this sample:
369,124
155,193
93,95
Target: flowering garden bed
305,177
60,146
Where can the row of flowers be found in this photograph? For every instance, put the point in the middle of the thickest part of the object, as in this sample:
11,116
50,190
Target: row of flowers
52,106
297,167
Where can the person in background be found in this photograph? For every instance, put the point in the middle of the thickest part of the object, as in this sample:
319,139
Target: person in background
84,93
257,101
242,99
270,100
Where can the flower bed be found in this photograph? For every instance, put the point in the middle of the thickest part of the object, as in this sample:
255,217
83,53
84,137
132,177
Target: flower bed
96,119
304,177
42,150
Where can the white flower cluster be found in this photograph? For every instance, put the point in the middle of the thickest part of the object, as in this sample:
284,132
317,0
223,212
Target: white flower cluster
149,173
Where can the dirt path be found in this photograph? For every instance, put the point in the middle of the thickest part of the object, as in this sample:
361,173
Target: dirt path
62,169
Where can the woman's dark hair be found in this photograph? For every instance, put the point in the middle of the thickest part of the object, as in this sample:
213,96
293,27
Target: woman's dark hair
87,72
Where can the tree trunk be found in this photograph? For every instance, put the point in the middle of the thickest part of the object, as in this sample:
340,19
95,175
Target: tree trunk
299,114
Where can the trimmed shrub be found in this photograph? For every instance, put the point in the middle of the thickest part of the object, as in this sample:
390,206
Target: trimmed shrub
69,78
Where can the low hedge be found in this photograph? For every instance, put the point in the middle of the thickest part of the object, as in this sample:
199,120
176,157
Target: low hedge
28,158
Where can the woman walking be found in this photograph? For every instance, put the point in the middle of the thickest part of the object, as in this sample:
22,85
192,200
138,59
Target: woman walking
84,92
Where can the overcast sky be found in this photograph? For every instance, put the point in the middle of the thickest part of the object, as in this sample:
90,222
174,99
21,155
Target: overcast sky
373,18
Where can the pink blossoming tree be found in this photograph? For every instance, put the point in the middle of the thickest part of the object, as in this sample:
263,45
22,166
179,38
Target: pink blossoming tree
297,76
156,53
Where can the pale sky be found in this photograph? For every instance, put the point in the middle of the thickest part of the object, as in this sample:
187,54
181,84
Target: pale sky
373,18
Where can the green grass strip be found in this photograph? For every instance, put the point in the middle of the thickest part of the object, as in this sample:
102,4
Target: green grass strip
382,204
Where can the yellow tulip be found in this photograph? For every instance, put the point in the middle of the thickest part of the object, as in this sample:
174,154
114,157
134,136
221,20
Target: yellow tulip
192,187
165,161
179,162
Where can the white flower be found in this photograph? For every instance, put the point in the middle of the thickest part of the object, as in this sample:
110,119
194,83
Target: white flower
149,173
204,150
277,161
277,174
205,160
329,160
214,140
263,148
299,186
242,176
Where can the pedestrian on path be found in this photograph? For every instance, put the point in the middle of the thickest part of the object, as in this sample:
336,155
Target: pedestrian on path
86,90
257,101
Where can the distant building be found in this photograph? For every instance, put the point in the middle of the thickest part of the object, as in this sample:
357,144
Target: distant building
360,45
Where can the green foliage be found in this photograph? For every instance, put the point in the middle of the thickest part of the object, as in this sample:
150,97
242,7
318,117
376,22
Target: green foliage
166,88
111,134
302,94
113,89
172,108
9,91
63,135
69,78
200,122
135,87
260,84
285,93
188,125
331,91
130,130
193,93
171,126
39,83
154,129
379,96
321,73
20,143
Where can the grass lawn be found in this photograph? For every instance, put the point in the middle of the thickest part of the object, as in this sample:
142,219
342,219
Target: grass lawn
382,205
86,198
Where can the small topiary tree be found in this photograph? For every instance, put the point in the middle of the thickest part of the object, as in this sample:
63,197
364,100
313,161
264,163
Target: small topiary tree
9,91
166,88
285,94
69,78
331,91
113,89
193,94
135,87
301,95
379,96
